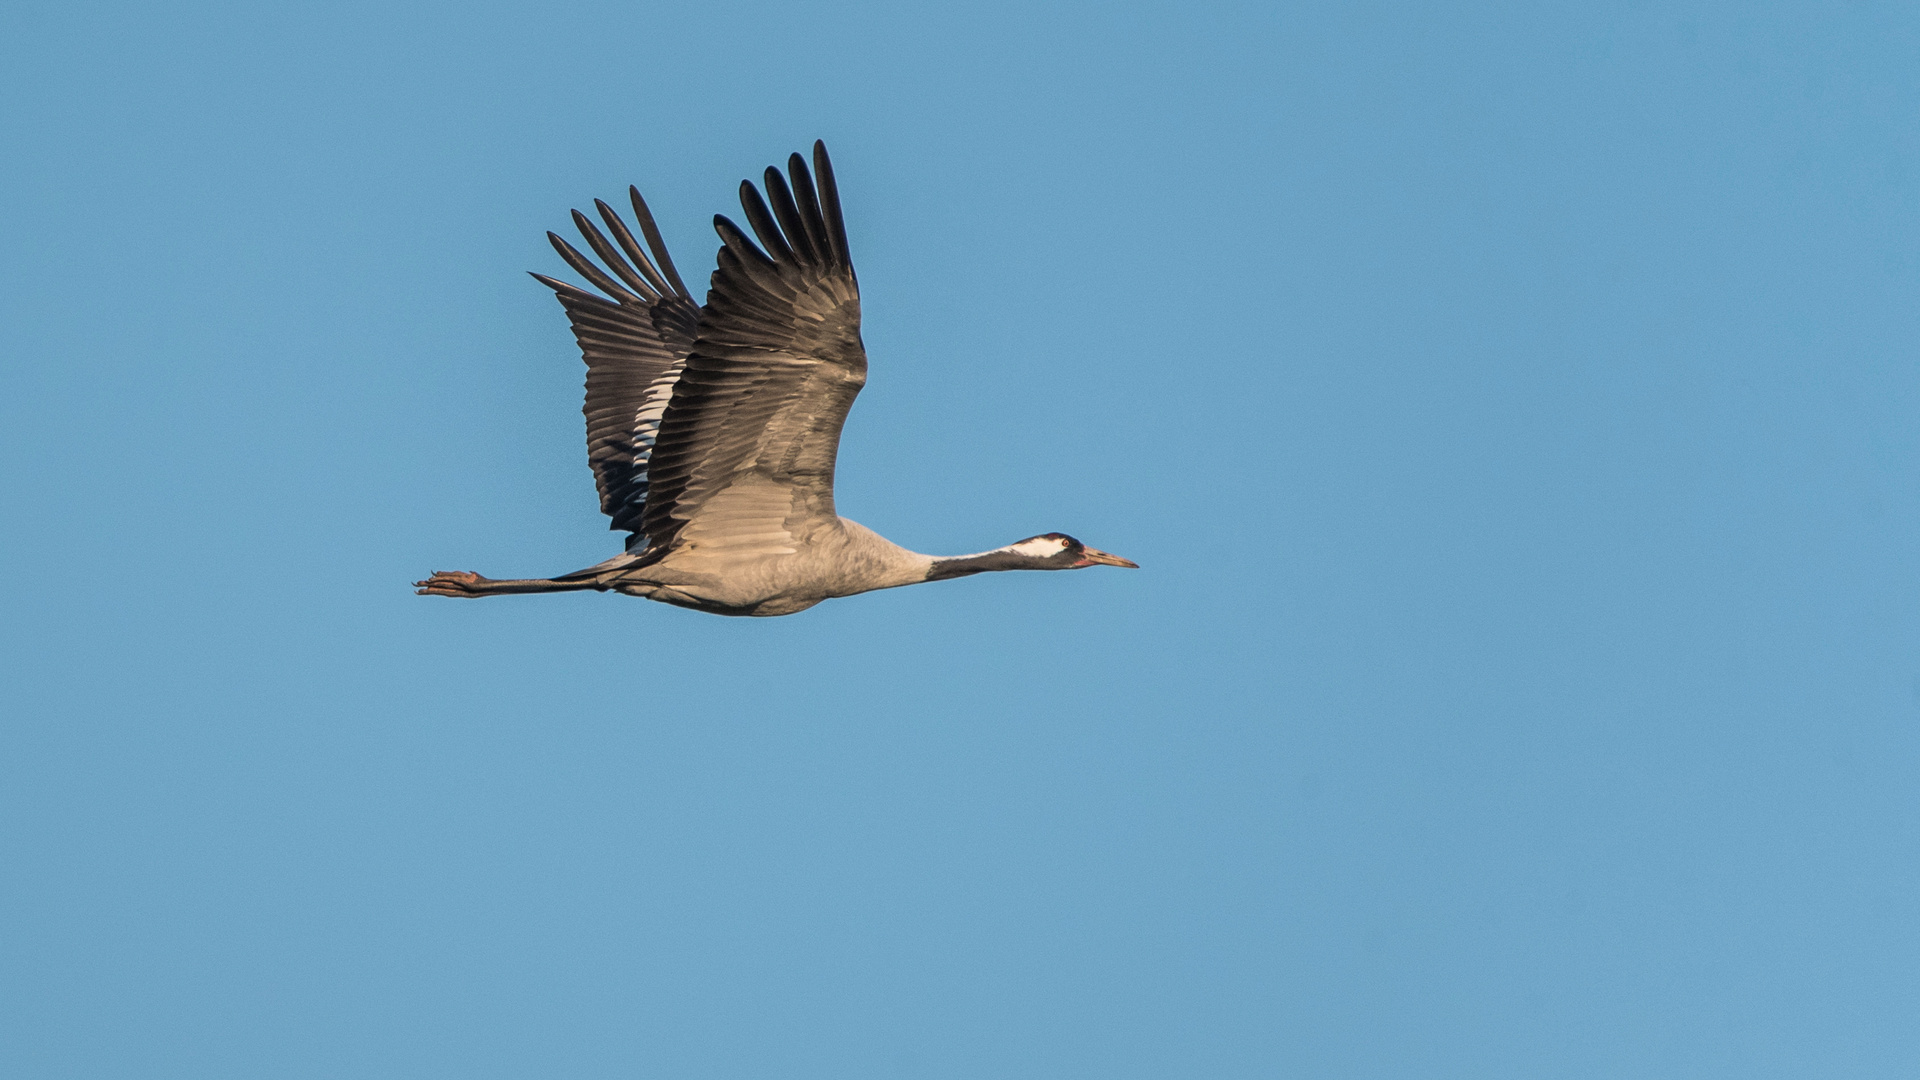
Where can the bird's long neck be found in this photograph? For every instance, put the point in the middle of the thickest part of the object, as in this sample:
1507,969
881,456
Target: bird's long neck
885,564
953,566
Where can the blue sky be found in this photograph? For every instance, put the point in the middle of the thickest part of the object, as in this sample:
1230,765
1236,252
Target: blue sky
1513,411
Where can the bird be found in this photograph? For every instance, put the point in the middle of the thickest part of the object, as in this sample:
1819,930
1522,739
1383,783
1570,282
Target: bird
712,429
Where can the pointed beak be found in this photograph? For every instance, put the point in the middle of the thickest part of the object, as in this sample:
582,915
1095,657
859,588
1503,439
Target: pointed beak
1096,557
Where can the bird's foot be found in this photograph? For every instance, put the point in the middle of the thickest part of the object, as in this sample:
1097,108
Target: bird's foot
453,583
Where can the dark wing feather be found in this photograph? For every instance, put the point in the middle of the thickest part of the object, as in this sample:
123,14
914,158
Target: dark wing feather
635,345
776,363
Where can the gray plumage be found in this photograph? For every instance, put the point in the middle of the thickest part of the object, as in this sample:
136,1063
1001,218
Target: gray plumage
712,430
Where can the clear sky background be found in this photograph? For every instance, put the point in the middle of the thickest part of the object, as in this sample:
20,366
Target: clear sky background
1513,410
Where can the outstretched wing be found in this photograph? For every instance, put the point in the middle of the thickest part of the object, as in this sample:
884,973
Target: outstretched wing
635,341
748,443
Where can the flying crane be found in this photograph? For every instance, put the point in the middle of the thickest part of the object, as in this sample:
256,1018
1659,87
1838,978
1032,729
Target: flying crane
712,430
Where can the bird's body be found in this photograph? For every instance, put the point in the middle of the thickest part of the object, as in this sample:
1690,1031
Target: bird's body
712,431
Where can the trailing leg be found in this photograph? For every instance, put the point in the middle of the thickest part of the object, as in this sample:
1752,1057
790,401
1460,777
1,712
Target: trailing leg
469,584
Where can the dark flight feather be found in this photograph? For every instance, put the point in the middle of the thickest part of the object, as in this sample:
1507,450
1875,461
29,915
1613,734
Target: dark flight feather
634,341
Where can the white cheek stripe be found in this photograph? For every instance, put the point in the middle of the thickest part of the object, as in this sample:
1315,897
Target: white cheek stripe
1040,547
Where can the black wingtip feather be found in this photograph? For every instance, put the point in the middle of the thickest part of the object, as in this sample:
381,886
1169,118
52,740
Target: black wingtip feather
612,258
587,270
635,256
659,246
792,222
737,241
830,204
808,201
762,222
573,293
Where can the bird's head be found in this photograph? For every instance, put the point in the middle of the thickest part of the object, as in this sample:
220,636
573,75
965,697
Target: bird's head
1058,551
1048,551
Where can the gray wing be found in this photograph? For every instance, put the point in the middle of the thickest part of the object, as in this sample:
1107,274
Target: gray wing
635,341
746,450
